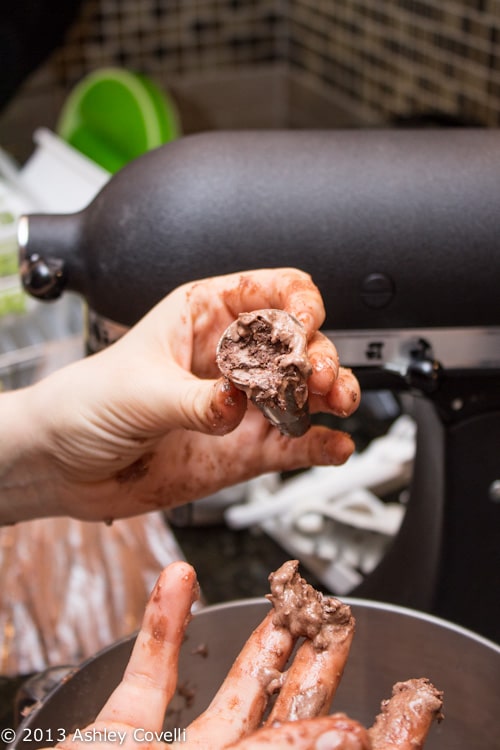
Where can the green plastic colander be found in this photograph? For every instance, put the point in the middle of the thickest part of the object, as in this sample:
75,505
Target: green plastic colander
113,116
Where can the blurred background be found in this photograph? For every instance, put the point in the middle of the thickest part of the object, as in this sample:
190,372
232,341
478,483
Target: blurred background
259,63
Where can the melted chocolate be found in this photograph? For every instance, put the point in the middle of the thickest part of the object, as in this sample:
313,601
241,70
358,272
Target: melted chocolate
264,353
405,719
304,611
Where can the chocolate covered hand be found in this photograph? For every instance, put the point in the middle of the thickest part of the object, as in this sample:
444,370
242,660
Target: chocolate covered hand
135,711
151,423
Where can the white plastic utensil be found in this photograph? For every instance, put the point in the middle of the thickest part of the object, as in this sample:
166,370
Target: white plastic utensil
385,465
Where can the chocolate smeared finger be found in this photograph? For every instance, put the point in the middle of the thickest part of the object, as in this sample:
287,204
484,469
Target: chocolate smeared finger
328,626
264,353
405,719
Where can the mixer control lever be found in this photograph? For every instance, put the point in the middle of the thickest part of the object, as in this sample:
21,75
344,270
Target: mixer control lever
417,366
424,374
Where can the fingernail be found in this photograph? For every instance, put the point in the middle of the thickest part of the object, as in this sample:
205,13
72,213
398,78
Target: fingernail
228,407
231,394
324,374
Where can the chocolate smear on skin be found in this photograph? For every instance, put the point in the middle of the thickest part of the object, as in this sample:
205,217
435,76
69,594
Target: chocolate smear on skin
405,718
136,470
264,354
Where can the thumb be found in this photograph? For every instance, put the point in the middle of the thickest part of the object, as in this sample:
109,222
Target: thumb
214,407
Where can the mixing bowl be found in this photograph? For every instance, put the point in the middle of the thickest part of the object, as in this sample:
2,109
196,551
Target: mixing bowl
391,644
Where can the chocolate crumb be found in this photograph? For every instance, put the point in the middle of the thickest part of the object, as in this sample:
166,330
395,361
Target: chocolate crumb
136,470
187,693
200,650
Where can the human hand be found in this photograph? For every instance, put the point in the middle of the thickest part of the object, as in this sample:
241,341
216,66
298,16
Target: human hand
135,711
149,423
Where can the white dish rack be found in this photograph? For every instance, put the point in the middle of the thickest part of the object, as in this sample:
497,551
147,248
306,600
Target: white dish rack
39,341
37,337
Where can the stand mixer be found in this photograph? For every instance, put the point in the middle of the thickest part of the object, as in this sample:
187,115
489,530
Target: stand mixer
400,231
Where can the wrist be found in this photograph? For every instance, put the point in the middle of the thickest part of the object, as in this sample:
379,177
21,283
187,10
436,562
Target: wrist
26,469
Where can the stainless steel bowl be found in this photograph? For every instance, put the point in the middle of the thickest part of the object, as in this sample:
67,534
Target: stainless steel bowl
391,644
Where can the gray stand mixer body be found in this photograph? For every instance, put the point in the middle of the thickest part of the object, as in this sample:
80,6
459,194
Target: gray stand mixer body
400,230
